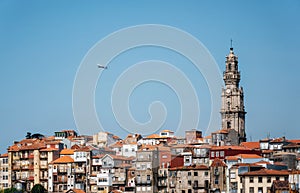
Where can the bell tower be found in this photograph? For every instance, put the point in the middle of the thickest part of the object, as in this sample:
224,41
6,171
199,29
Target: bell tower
233,109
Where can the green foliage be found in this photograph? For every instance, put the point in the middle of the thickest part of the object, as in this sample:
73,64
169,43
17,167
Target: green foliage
38,188
9,190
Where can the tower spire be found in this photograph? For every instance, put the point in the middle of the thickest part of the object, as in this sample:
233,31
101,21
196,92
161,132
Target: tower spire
233,110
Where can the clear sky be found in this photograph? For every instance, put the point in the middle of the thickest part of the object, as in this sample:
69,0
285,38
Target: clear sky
42,44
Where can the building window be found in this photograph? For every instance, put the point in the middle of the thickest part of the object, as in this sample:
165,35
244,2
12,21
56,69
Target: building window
277,178
217,180
206,173
189,182
251,179
269,179
228,122
221,153
212,154
259,179
195,173
260,189
217,154
251,190
189,173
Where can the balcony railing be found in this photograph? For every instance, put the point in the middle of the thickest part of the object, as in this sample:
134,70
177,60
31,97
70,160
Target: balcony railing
80,170
163,174
162,183
143,182
44,166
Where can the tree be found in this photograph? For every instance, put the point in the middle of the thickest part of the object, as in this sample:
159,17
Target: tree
10,190
38,188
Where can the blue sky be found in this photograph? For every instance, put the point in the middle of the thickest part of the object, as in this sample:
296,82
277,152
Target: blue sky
43,43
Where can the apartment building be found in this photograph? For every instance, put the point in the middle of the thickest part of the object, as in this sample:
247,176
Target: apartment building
28,161
261,181
218,176
61,174
146,173
188,179
4,171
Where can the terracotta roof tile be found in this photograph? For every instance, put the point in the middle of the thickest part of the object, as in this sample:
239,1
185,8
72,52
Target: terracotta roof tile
232,158
251,145
267,172
76,190
229,147
153,136
4,155
64,159
194,167
280,185
218,163
50,149
67,152
249,156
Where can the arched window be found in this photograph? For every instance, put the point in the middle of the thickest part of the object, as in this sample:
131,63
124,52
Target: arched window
228,124
229,66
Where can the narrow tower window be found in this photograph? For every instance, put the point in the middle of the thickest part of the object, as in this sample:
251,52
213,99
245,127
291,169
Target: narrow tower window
228,124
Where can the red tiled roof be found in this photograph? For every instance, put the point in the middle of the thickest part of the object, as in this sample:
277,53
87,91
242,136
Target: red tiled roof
117,144
98,156
75,146
4,155
280,185
267,151
294,141
249,156
251,145
166,130
153,136
76,191
277,140
247,164
218,163
67,152
232,158
222,131
64,159
83,149
50,149
194,167
266,172
229,147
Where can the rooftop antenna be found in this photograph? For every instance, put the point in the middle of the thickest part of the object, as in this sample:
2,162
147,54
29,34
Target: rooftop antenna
231,43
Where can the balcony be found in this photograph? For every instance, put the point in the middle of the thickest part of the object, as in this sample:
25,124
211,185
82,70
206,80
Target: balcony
44,178
162,174
43,156
172,185
162,184
44,166
143,182
62,170
27,167
16,167
60,179
80,170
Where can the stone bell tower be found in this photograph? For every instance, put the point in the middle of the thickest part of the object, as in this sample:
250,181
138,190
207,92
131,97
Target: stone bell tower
233,109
